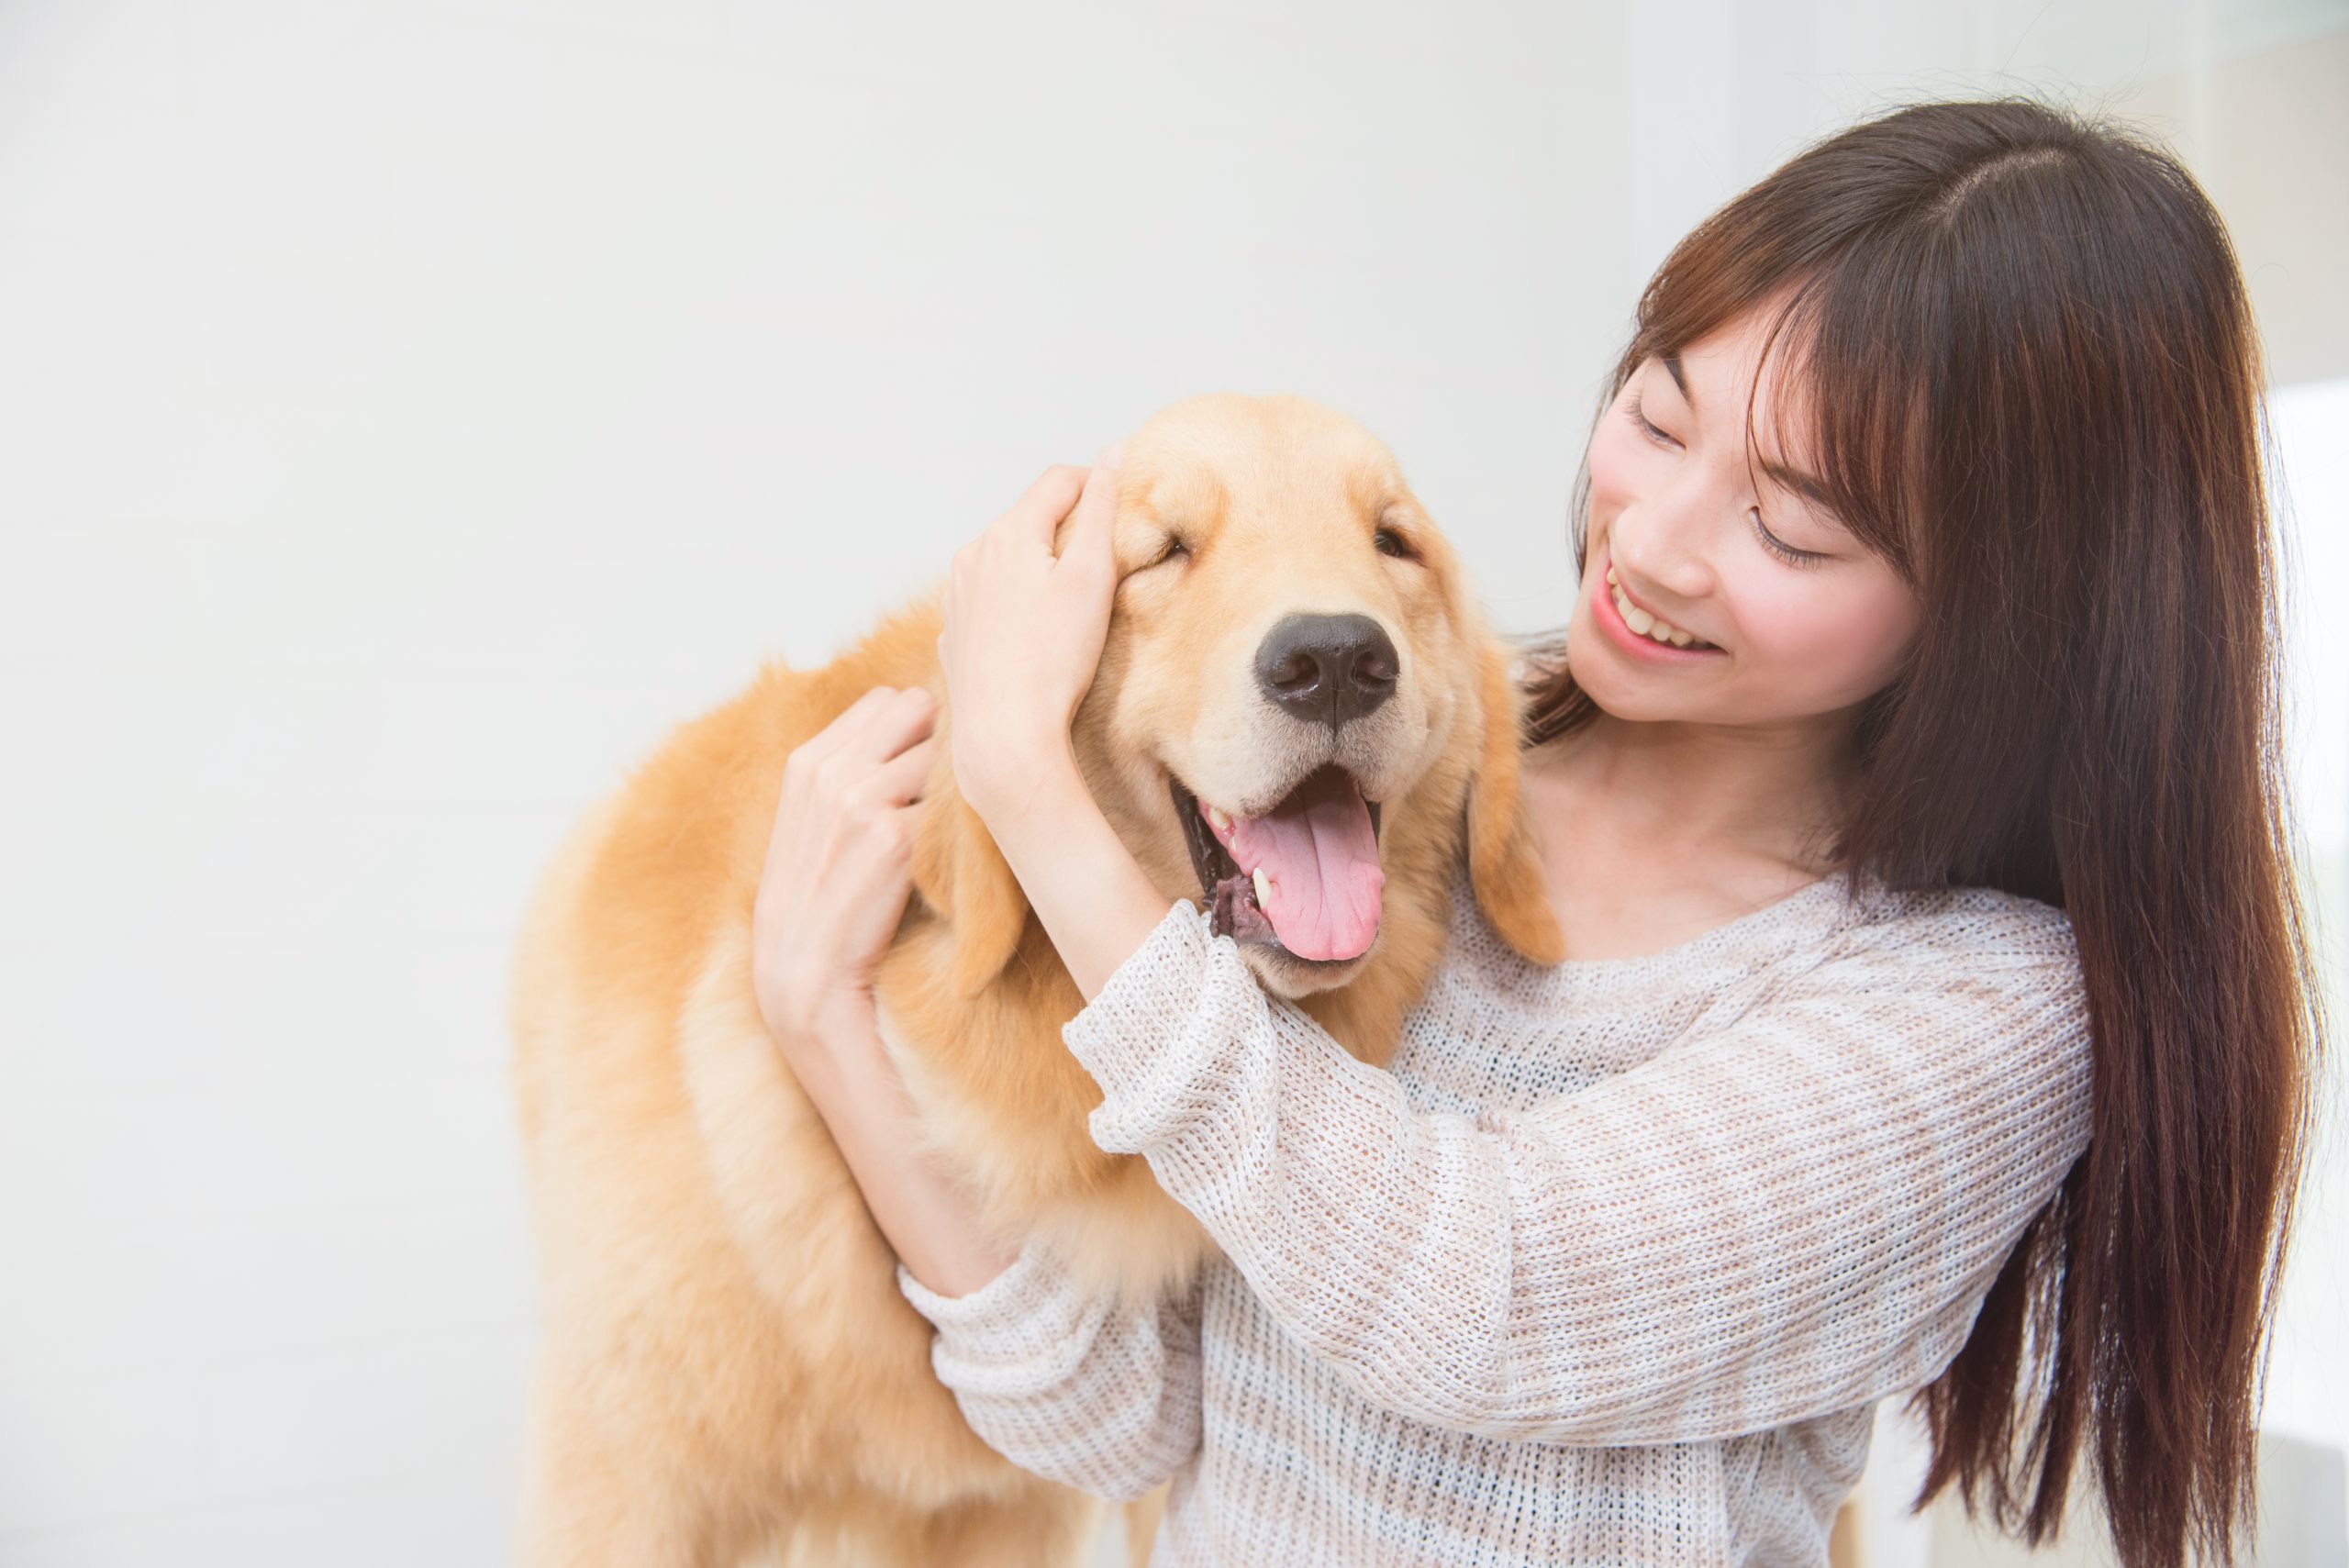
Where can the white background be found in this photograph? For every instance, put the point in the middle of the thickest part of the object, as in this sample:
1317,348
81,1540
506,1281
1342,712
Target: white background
408,411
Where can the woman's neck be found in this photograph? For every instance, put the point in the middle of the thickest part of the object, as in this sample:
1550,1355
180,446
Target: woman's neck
1652,833
1751,791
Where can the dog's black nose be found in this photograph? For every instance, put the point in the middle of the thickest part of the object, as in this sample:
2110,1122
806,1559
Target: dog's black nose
1328,669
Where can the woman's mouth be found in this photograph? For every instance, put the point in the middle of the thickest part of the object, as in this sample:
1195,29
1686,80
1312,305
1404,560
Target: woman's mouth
1642,633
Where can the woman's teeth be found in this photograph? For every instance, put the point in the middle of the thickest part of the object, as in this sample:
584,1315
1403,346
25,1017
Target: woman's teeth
1646,624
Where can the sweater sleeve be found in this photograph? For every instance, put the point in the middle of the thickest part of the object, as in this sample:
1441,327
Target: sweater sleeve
1794,1214
1077,1388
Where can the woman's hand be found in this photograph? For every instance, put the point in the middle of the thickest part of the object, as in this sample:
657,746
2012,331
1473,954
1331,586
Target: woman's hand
1023,637
839,869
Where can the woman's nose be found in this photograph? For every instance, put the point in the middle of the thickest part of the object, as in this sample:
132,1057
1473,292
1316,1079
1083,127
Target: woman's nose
1666,544
1658,562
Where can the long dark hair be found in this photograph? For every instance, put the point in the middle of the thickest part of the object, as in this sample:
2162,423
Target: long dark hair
2026,347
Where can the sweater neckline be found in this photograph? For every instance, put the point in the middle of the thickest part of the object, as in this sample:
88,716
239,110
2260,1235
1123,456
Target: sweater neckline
1811,911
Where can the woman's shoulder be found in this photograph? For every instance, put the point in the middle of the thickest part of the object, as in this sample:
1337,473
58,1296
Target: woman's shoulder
1975,927
1972,956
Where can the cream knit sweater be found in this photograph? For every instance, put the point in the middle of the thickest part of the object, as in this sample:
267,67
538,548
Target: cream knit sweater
1611,1267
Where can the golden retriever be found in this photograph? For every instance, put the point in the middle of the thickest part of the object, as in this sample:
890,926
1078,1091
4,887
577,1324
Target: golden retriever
728,1367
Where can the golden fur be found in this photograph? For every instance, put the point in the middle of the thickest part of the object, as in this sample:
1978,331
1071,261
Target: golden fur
728,1367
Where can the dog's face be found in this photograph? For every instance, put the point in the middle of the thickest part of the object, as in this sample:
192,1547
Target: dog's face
1298,711
1294,675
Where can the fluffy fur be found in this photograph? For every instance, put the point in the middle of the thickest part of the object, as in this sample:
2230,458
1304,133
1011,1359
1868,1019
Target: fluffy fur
728,1368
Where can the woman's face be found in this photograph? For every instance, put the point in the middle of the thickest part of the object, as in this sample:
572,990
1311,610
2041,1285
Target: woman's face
1782,616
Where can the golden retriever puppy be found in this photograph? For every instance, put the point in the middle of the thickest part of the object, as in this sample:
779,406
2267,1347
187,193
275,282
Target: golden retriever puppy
1295,674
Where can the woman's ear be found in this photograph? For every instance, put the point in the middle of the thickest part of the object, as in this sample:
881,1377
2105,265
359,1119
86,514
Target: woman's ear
1503,863
959,872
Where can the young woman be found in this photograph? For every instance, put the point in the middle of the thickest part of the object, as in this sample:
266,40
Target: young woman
1937,1015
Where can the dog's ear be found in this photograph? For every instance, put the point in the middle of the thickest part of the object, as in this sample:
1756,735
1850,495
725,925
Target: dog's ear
1503,863
959,871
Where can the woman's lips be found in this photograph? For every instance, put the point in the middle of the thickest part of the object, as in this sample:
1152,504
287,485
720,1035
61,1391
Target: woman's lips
1636,644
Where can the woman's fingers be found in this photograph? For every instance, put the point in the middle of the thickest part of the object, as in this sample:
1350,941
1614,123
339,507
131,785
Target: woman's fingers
1091,533
845,726
878,725
833,771
1035,516
899,781
890,726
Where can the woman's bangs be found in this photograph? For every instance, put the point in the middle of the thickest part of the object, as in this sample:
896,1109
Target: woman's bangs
1857,358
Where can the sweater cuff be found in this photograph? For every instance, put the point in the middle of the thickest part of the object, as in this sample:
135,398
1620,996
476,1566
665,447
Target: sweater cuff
1168,1038
1023,1335
1004,1303
1140,1033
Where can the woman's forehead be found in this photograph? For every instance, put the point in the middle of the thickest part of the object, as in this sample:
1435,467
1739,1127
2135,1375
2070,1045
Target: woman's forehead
1724,376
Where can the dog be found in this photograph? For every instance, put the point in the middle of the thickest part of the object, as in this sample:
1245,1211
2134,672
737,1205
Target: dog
728,1368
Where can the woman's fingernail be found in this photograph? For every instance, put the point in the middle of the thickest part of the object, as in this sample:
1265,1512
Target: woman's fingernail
1111,455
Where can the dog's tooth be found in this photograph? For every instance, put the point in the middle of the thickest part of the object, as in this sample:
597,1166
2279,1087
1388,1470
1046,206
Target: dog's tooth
1264,888
1216,815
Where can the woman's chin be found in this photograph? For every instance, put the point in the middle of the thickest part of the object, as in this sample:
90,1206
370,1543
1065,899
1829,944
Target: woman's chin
1615,689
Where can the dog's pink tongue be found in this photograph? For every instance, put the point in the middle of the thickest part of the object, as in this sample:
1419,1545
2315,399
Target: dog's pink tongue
1318,851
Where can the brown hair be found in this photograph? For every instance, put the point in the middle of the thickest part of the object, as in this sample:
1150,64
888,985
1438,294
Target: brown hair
2034,384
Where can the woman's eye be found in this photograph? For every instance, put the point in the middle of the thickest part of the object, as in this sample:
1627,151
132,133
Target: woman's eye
1389,542
1640,418
1779,547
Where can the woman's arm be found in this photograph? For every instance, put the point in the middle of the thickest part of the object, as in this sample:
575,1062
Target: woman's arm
931,1221
837,875
1074,1386
1793,1215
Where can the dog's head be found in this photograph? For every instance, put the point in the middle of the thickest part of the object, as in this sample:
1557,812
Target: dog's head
1297,699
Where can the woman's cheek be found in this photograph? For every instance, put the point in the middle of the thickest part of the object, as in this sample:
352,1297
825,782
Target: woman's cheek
1614,463
1834,647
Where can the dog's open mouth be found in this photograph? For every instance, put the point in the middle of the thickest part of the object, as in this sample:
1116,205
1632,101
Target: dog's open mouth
1304,877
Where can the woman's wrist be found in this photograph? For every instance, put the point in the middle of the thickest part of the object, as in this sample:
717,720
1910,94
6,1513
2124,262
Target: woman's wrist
930,1220
1094,902
1012,786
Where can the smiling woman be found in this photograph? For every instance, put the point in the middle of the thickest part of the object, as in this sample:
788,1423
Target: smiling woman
2004,513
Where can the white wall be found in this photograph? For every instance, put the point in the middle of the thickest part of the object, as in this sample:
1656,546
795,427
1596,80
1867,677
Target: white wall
410,410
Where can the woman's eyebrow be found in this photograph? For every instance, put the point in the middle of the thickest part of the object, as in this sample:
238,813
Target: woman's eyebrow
1809,488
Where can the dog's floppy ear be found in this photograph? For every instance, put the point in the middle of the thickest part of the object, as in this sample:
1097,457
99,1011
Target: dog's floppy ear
1503,864
959,871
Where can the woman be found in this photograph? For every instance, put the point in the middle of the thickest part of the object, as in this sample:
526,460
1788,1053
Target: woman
1937,1009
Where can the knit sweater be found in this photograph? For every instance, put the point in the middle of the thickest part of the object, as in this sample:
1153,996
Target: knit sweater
1611,1264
